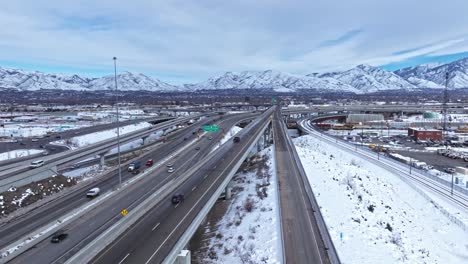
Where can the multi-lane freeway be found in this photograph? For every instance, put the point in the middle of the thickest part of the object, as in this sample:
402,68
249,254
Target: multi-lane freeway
44,214
152,238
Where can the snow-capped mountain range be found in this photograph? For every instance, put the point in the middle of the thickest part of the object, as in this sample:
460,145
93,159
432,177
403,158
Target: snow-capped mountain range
360,79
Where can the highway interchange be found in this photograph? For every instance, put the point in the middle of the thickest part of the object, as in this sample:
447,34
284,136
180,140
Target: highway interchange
200,172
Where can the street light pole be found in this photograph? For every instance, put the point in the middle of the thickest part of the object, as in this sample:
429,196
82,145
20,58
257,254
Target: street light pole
451,190
118,126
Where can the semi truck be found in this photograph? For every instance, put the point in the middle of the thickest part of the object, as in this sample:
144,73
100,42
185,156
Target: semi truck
134,165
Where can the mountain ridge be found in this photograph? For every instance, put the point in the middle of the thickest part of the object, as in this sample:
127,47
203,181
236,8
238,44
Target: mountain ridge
360,79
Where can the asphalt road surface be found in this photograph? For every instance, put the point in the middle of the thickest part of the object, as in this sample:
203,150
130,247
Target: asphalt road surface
154,235
302,242
91,225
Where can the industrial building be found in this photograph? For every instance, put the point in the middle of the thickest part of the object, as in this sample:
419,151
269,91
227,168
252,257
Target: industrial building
424,134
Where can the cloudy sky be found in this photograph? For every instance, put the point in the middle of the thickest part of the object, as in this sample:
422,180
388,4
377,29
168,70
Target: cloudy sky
184,41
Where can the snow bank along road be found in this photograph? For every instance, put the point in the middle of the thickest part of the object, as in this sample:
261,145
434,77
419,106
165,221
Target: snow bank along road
457,198
301,235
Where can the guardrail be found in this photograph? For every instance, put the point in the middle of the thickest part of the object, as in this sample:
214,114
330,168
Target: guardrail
186,236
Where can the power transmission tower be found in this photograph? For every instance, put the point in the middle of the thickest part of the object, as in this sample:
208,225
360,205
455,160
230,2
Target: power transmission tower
445,107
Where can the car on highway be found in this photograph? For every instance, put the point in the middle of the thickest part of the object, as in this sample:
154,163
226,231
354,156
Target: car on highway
59,236
210,138
22,143
135,172
149,162
197,148
93,192
177,198
236,139
58,136
41,146
169,165
450,170
36,164
14,141
171,170
34,139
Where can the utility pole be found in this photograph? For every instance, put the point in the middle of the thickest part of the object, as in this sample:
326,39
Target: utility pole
445,109
118,126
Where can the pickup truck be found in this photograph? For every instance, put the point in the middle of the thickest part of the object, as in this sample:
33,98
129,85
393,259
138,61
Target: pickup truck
134,165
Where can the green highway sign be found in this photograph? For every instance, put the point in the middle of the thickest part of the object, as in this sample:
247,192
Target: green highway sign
273,100
213,128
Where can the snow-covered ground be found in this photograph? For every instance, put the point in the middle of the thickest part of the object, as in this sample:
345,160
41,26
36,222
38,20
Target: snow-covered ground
18,153
234,130
249,232
380,218
82,172
88,139
38,129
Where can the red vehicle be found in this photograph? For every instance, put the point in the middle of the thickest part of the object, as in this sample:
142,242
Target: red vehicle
149,163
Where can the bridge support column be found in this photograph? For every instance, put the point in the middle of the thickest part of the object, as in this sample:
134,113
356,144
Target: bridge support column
183,257
145,140
102,161
228,193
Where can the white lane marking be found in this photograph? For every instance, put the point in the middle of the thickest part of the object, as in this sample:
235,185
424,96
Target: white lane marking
204,177
176,205
126,256
194,188
156,226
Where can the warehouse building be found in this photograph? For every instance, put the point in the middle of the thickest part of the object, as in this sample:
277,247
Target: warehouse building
424,134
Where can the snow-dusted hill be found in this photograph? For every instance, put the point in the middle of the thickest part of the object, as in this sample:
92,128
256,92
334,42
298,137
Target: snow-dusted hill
366,79
23,80
278,81
435,73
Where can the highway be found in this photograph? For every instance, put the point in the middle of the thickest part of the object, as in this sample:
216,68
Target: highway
107,213
53,149
155,234
81,153
302,241
443,190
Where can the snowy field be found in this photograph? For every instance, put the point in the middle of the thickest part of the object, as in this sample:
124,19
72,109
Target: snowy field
19,153
249,232
372,215
88,139
38,129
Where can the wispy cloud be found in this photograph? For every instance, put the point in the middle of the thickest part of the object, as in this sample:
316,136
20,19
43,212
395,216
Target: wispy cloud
341,39
186,40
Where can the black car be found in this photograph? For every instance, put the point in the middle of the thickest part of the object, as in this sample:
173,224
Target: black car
135,172
58,136
41,146
22,143
197,148
177,198
56,238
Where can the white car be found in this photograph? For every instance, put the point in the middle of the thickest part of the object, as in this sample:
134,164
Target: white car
93,192
170,170
36,164
34,139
